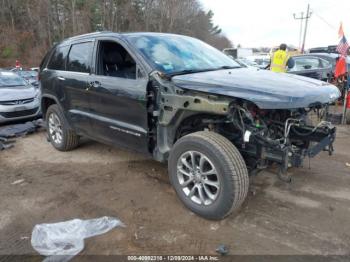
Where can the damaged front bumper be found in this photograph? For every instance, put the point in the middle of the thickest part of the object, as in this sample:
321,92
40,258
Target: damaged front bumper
302,142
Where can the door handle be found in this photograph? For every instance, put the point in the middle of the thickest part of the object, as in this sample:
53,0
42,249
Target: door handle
93,84
61,78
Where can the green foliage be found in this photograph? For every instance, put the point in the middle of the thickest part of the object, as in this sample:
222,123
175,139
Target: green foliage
7,52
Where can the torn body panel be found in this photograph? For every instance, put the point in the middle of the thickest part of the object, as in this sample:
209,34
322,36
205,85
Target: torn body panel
263,136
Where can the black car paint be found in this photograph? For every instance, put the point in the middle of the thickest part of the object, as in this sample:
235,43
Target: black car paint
114,111
110,110
268,90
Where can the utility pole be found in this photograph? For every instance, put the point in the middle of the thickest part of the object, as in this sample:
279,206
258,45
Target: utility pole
308,15
302,17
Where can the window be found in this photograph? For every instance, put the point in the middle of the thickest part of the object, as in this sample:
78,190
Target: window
8,79
79,57
58,58
171,54
324,63
115,61
306,63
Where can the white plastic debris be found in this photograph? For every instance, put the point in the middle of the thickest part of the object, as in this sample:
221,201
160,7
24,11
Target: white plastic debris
17,182
66,239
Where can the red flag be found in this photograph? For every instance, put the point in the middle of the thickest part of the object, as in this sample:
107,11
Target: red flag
340,67
341,31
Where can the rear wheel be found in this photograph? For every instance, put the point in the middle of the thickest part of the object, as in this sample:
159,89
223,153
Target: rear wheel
61,136
209,174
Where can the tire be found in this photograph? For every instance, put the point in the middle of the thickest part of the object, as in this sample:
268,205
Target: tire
68,138
231,182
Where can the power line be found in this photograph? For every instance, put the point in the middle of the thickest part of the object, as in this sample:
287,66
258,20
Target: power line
325,21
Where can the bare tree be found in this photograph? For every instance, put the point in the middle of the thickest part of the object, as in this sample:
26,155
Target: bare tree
28,28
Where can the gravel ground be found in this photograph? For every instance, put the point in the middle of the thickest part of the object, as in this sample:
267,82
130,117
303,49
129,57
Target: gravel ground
41,185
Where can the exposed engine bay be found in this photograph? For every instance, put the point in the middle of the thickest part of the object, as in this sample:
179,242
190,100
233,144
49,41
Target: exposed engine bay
284,137
263,136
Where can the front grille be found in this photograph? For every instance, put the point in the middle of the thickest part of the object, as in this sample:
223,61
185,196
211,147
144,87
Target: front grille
16,102
19,113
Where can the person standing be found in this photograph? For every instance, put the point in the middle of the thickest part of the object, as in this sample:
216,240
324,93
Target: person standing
280,60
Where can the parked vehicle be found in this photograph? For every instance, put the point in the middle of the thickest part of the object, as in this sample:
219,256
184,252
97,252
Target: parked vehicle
185,103
331,49
246,63
18,99
312,66
332,59
263,61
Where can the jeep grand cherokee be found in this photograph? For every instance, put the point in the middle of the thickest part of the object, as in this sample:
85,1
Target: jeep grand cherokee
187,104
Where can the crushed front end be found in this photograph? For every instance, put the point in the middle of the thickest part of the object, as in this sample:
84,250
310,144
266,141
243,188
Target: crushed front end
282,136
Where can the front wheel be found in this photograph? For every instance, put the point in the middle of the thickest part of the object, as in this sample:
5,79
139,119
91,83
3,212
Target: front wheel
208,174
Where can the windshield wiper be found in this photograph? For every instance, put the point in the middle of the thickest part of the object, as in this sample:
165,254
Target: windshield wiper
228,67
189,71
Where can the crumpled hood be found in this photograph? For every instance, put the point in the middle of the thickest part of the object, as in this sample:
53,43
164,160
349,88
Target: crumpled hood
268,90
17,93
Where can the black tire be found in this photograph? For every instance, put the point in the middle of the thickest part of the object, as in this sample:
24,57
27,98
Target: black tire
231,172
70,139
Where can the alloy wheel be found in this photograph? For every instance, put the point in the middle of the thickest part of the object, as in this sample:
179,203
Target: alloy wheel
198,177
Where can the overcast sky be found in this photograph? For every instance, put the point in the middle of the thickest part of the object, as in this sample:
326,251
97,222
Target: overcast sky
270,22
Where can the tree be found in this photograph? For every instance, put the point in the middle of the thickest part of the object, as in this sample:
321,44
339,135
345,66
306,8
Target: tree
30,27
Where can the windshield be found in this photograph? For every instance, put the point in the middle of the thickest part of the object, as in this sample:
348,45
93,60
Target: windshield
27,74
8,79
173,53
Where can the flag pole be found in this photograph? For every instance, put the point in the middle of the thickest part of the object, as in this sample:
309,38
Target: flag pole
345,102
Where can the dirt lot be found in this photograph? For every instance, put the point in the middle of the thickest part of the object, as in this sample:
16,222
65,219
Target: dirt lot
309,216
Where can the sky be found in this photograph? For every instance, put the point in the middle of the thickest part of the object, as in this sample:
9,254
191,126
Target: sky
256,23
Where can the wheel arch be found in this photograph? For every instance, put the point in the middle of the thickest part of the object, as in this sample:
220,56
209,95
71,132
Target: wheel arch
46,102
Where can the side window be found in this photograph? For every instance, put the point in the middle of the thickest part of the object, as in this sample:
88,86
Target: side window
79,57
305,63
115,61
324,63
58,58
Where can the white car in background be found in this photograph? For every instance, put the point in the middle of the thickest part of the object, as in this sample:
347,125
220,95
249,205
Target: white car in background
18,99
262,60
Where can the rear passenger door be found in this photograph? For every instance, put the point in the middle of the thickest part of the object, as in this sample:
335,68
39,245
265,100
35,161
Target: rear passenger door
118,96
74,82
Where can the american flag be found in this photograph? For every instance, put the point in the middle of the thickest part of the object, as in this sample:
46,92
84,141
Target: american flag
343,46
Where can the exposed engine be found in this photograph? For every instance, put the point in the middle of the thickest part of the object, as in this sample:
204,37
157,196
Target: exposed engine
280,136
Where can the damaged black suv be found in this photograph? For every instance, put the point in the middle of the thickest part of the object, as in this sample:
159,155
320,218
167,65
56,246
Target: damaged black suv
187,104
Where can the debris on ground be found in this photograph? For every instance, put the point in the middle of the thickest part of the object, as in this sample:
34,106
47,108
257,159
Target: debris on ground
222,250
347,164
66,239
17,182
9,133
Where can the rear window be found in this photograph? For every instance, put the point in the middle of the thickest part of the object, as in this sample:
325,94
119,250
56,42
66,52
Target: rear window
58,58
8,79
79,57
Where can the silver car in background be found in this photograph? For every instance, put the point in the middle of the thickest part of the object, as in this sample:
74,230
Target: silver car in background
18,99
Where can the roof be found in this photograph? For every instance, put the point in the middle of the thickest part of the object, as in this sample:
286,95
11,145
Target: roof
110,33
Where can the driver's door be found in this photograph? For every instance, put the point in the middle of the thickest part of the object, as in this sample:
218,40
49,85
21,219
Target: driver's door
118,99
